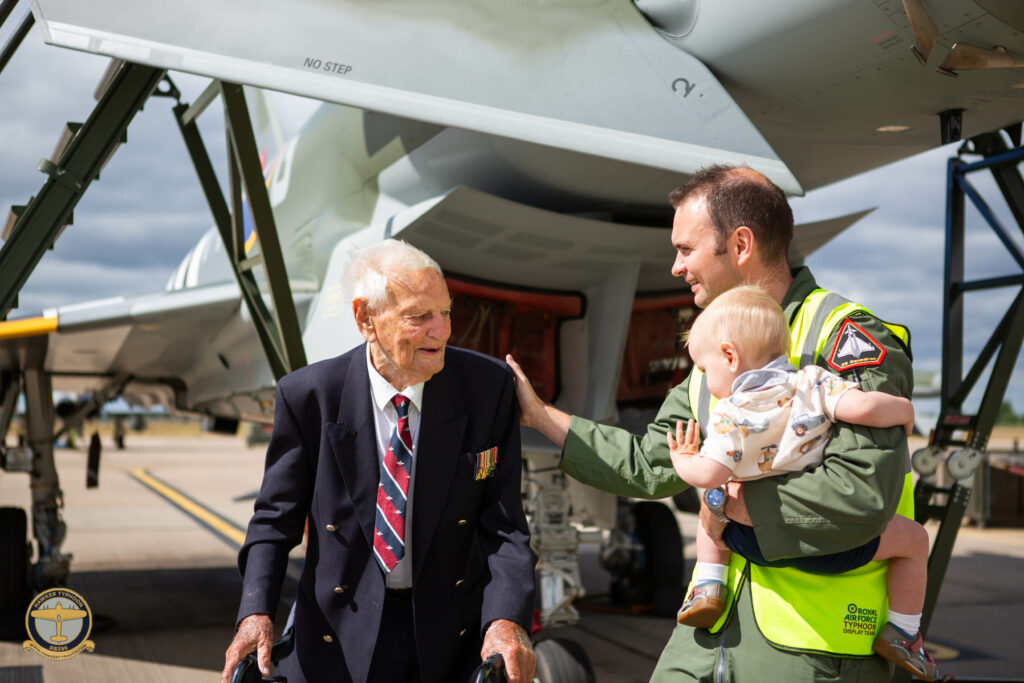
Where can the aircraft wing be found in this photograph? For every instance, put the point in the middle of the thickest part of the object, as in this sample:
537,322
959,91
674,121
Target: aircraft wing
590,77
157,340
809,237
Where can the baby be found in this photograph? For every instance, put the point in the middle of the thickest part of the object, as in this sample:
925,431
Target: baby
772,419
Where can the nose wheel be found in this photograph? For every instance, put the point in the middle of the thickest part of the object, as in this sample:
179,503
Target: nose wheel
14,568
562,661
646,560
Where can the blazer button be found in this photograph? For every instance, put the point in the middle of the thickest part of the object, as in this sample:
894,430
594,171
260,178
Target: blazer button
462,522
459,583
328,638
340,589
331,527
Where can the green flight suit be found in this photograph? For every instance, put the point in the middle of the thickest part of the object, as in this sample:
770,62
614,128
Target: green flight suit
841,504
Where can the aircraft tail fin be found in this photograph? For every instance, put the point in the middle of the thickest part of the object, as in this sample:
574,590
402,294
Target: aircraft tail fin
265,124
809,237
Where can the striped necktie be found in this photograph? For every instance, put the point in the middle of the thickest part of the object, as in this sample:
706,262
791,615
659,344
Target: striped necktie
393,490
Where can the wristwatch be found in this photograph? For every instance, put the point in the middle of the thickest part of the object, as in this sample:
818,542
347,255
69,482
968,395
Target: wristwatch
715,500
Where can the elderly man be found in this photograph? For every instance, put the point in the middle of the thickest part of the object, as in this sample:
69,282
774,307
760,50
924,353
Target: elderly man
733,226
404,456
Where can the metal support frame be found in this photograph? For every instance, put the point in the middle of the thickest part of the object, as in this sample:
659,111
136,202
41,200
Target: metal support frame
960,439
6,7
10,387
83,151
12,44
277,326
70,173
1006,338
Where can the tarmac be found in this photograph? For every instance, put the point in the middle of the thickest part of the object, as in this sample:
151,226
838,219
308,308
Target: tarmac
154,556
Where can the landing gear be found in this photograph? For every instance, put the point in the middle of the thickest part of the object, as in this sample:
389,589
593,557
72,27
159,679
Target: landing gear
119,433
562,661
687,501
92,465
646,558
644,553
554,539
48,527
14,572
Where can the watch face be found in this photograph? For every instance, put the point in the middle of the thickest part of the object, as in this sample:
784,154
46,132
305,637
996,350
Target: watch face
714,498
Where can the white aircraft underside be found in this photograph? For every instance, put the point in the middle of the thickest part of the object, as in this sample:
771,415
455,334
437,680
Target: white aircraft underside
798,92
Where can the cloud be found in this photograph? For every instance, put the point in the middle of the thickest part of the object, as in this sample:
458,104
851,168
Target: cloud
139,219
893,260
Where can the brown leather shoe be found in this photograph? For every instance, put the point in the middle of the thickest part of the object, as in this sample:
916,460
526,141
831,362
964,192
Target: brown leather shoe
909,655
704,605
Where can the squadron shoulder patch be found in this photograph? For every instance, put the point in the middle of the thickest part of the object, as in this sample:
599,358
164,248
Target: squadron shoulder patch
855,348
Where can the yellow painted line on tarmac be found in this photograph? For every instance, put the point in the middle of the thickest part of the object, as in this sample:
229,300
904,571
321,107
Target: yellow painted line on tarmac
227,530
942,652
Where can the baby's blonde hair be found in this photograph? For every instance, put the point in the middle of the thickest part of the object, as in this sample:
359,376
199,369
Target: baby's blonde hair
747,317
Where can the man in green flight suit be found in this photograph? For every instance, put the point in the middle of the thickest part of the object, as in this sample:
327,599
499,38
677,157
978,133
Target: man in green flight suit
733,226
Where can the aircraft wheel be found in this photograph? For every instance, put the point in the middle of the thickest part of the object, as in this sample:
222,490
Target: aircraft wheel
562,661
656,575
14,573
687,501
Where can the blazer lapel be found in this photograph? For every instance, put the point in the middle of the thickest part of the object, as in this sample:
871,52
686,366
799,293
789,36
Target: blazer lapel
354,441
437,453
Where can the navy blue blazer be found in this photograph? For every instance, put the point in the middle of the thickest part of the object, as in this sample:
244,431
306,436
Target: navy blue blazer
472,562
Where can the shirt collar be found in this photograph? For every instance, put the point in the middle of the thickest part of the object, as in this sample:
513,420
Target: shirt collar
802,285
773,374
382,391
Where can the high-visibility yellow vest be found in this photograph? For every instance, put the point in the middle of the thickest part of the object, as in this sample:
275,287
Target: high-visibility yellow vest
836,614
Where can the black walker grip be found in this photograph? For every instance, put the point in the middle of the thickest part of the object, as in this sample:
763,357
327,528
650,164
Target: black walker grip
491,670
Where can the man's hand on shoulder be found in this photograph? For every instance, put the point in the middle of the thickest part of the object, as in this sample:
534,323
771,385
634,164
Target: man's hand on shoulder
533,412
255,632
513,643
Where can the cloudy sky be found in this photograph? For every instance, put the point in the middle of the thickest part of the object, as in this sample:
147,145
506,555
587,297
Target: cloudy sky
134,226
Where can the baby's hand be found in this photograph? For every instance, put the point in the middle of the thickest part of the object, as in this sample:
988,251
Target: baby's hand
683,445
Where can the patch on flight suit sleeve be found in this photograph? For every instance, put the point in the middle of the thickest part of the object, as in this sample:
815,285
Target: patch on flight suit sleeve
855,348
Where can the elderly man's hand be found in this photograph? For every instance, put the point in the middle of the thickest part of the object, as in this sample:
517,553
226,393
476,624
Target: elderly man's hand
255,632
510,640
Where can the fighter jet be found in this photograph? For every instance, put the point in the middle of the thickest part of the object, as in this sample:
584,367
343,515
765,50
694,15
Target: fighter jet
529,149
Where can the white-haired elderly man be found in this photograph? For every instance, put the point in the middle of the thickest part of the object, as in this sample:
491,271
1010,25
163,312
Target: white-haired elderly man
404,456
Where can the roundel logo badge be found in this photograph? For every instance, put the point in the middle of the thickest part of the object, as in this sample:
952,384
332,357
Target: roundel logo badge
58,623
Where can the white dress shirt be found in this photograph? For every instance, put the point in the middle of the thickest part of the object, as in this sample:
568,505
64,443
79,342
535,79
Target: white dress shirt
385,418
